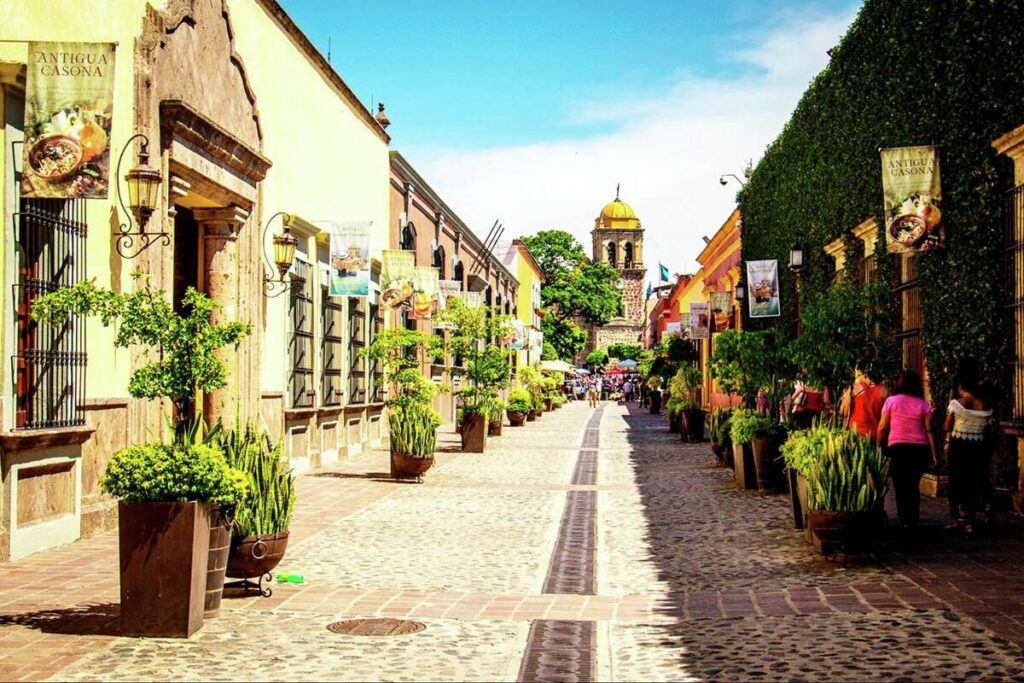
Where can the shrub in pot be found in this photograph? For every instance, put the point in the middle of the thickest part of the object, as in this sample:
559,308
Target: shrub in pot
674,412
764,435
164,493
685,385
495,408
263,517
742,430
718,426
518,407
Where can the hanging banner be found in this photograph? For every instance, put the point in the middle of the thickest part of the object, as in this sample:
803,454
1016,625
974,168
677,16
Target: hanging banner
518,342
349,257
673,328
448,289
721,301
396,274
700,320
69,105
911,194
763,287
424,293
473,299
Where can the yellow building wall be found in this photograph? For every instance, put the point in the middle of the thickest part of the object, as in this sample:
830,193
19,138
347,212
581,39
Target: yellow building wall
327,163
528,280
117,21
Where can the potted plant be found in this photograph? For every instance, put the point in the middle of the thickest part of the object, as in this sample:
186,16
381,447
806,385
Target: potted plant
530,379
674,412
721,442
742,430
179,354
686,384
495,410
412,422
263,517
518,407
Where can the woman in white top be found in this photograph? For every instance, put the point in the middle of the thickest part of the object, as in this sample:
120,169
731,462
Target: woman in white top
968,452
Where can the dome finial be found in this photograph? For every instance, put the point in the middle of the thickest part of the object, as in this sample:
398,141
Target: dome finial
381,117
617,186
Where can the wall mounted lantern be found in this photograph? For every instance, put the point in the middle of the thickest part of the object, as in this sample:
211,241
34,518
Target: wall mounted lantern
284,244
738,293
143,194
796,257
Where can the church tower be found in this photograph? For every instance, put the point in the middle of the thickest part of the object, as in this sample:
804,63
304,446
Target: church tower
618,241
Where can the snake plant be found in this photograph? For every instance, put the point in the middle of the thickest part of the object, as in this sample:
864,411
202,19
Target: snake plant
270,502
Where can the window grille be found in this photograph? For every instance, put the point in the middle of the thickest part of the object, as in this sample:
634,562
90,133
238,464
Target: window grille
357,338
1015,290
375,369
909,332
301,343
49,363
332,344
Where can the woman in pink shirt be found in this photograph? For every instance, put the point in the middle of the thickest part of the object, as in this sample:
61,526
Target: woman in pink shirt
905,432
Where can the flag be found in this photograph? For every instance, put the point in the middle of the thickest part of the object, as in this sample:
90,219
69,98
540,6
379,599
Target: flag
649,290
664,272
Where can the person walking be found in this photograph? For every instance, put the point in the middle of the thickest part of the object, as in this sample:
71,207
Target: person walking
863,407
592,393
904,431
968,451
627,391
808,404
599,387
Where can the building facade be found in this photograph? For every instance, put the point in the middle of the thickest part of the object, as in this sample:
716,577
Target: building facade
213,86
528,305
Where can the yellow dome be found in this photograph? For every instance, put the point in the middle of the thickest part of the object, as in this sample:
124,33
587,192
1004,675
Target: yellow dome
618,214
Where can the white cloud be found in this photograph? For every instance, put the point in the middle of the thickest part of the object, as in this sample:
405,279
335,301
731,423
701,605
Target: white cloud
668,150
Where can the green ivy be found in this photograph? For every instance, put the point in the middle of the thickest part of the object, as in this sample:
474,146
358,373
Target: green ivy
908,72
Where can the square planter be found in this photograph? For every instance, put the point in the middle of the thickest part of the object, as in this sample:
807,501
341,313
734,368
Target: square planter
934,485
474,433
796,503
743,464
164,553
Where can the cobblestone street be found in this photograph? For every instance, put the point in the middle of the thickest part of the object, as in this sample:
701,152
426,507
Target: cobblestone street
589,545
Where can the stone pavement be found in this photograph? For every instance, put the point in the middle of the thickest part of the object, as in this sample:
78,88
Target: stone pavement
582,546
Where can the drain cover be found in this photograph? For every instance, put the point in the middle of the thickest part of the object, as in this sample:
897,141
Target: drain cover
376,627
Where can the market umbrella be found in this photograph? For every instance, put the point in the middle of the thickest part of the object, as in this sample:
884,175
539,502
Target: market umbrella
556,366
628,364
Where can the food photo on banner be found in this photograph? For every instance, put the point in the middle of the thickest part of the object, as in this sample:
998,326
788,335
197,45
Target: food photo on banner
349,257
763,288
700,320
911,196
397,267
424,293
69,110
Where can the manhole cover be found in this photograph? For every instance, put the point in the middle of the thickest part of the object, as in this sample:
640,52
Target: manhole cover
376,627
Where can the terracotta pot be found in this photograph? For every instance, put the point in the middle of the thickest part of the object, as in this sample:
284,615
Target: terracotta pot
766,462
409,466
474,433
253,556
494,428
934,485
515,419
220,546
693,422
531,416
164,552
794,498
743,466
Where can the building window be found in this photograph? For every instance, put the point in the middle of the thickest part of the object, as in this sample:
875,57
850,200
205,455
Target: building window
459,274
612,254
1015,289
439,262
375,370
909,332
49,364
332,344
408,241
356,342
627,254
300,347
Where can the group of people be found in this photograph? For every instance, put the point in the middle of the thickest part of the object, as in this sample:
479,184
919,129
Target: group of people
600,387
901,421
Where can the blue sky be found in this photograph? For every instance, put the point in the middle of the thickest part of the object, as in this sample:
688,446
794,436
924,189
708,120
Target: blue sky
562,100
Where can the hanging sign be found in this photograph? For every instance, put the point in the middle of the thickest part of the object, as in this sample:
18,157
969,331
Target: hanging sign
396,278
673,328
69,104
518,342
447,290
912,193
424,293
721,301
700,320
349,257
763,287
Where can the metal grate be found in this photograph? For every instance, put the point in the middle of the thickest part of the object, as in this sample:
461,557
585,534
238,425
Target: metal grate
356,342
375,370
332,345
1015,289
301,343
376,627
49,365
909,333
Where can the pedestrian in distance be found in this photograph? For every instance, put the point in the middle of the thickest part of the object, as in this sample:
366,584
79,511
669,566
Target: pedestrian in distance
968,450
627,391
904,431
592,393
862,404
808,404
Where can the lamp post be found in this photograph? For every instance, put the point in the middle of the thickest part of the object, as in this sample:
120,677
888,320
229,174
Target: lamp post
738,293
284,244
796,266
143,193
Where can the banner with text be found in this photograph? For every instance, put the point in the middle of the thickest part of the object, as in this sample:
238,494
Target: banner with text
396,274
349,257
700,320
69,110
911,194
763,289
424,292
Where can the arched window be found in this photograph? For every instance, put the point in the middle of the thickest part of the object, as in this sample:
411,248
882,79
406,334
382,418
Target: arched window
459,274
439,261
408,238
627,254
612,254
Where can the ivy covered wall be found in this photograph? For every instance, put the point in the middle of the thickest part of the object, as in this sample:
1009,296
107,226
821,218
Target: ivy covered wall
908,72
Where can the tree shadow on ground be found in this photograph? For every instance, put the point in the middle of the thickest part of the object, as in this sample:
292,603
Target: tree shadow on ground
101,619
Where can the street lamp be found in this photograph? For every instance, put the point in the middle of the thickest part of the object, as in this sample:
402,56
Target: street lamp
796,257
143,193
722,179
796,266
738,293
284,244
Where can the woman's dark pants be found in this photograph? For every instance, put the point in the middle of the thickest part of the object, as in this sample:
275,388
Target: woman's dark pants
908,463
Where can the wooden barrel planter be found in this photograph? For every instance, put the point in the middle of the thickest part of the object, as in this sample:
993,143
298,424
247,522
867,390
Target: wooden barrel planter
516,419
693,424
255,557
766,462
217,564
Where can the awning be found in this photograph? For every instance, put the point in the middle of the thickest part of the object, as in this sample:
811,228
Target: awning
557,366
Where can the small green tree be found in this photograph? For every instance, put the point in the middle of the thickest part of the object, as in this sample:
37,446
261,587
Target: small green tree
488,365
179,351
736,361
597,358
624,351
564,335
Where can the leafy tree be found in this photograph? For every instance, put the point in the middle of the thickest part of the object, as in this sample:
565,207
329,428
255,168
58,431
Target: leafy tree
548,352
555,251
564,335
624,351
487,365
598,357
179,351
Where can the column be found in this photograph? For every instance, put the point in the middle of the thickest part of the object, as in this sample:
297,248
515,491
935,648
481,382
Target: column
220,230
